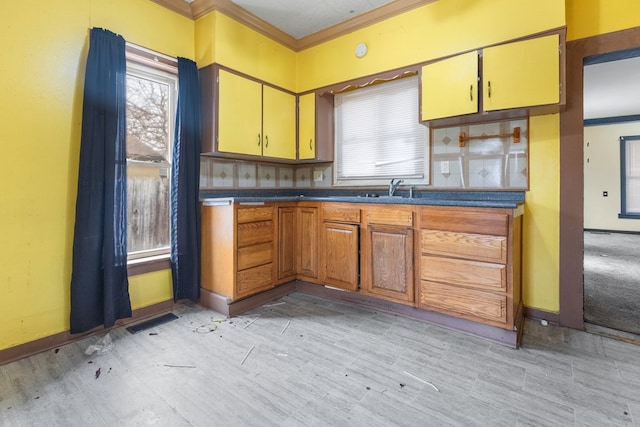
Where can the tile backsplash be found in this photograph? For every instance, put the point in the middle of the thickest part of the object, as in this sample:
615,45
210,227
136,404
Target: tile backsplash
223,173
489,163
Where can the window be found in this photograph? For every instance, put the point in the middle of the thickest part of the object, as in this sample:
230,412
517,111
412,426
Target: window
150,111
630,176
378,135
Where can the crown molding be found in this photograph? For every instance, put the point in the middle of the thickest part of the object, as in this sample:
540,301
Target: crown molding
199,8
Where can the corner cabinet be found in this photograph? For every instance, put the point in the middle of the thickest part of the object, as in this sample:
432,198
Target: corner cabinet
315,127
243,116
514,78
470,264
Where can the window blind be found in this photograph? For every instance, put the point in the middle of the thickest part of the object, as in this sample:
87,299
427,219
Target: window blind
378,136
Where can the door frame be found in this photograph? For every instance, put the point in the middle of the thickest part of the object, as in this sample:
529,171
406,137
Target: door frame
572,170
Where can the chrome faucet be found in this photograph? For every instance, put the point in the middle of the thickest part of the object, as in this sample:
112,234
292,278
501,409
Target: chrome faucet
393,185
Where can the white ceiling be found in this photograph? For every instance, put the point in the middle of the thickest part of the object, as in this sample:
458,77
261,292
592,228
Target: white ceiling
300,18
612,89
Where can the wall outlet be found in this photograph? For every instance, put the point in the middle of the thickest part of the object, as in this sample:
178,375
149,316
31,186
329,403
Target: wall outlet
317,175
444,166
605,194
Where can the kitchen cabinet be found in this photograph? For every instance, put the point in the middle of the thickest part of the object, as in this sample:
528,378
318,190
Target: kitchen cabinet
315,127
521,74
450,87
339,247
306,250
470,264
238,248
244,117
287,242
387,253
509,80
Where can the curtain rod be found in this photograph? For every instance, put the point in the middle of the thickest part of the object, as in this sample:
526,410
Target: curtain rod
150,52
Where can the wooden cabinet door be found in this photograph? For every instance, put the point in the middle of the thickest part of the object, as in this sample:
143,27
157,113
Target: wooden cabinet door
450,87
307,126
279,124
307,241
389,258
286,243
522,74
339,255
239,114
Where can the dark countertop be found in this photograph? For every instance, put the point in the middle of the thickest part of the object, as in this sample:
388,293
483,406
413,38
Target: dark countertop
502,199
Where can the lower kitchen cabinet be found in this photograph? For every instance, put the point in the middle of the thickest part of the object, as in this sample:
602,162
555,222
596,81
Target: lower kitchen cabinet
286,243
238,248
470,264
387,253
306,249
339,253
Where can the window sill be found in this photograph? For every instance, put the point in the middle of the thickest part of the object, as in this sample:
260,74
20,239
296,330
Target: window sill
148,264
629,216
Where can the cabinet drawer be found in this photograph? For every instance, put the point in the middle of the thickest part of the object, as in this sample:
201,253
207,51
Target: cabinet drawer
478,247
468,303
341,214
465,220
252,256
254,213
254,279
251,233
479,275
390,217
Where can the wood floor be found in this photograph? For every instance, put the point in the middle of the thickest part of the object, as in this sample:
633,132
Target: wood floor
308,361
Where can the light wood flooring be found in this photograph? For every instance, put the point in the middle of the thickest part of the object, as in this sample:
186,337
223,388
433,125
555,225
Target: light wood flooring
308,361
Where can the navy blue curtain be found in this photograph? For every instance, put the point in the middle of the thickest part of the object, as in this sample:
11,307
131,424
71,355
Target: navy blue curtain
99,283
185,184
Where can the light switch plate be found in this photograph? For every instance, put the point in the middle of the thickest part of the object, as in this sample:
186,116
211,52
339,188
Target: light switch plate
444,166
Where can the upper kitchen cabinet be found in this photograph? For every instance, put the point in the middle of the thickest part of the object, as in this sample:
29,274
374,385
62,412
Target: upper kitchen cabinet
522,74
278,123
450,87
239,115
515,79
315,127
244,117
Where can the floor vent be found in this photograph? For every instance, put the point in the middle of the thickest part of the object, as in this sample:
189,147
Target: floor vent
151,323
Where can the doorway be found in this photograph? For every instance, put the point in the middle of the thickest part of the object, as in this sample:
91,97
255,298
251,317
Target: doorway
572,238
611,240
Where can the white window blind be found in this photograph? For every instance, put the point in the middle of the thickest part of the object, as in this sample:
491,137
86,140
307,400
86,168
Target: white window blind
378,136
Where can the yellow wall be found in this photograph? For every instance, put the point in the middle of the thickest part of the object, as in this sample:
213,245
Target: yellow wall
223,40
438,29
541,248
44,46
586,18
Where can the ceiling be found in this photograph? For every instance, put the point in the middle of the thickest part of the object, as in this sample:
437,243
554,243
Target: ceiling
612,89
300,18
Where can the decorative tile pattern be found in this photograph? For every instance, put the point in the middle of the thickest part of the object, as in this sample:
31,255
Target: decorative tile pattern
205,174
285,177
327,176
247,175
266,176
492,163
222,173
303,177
